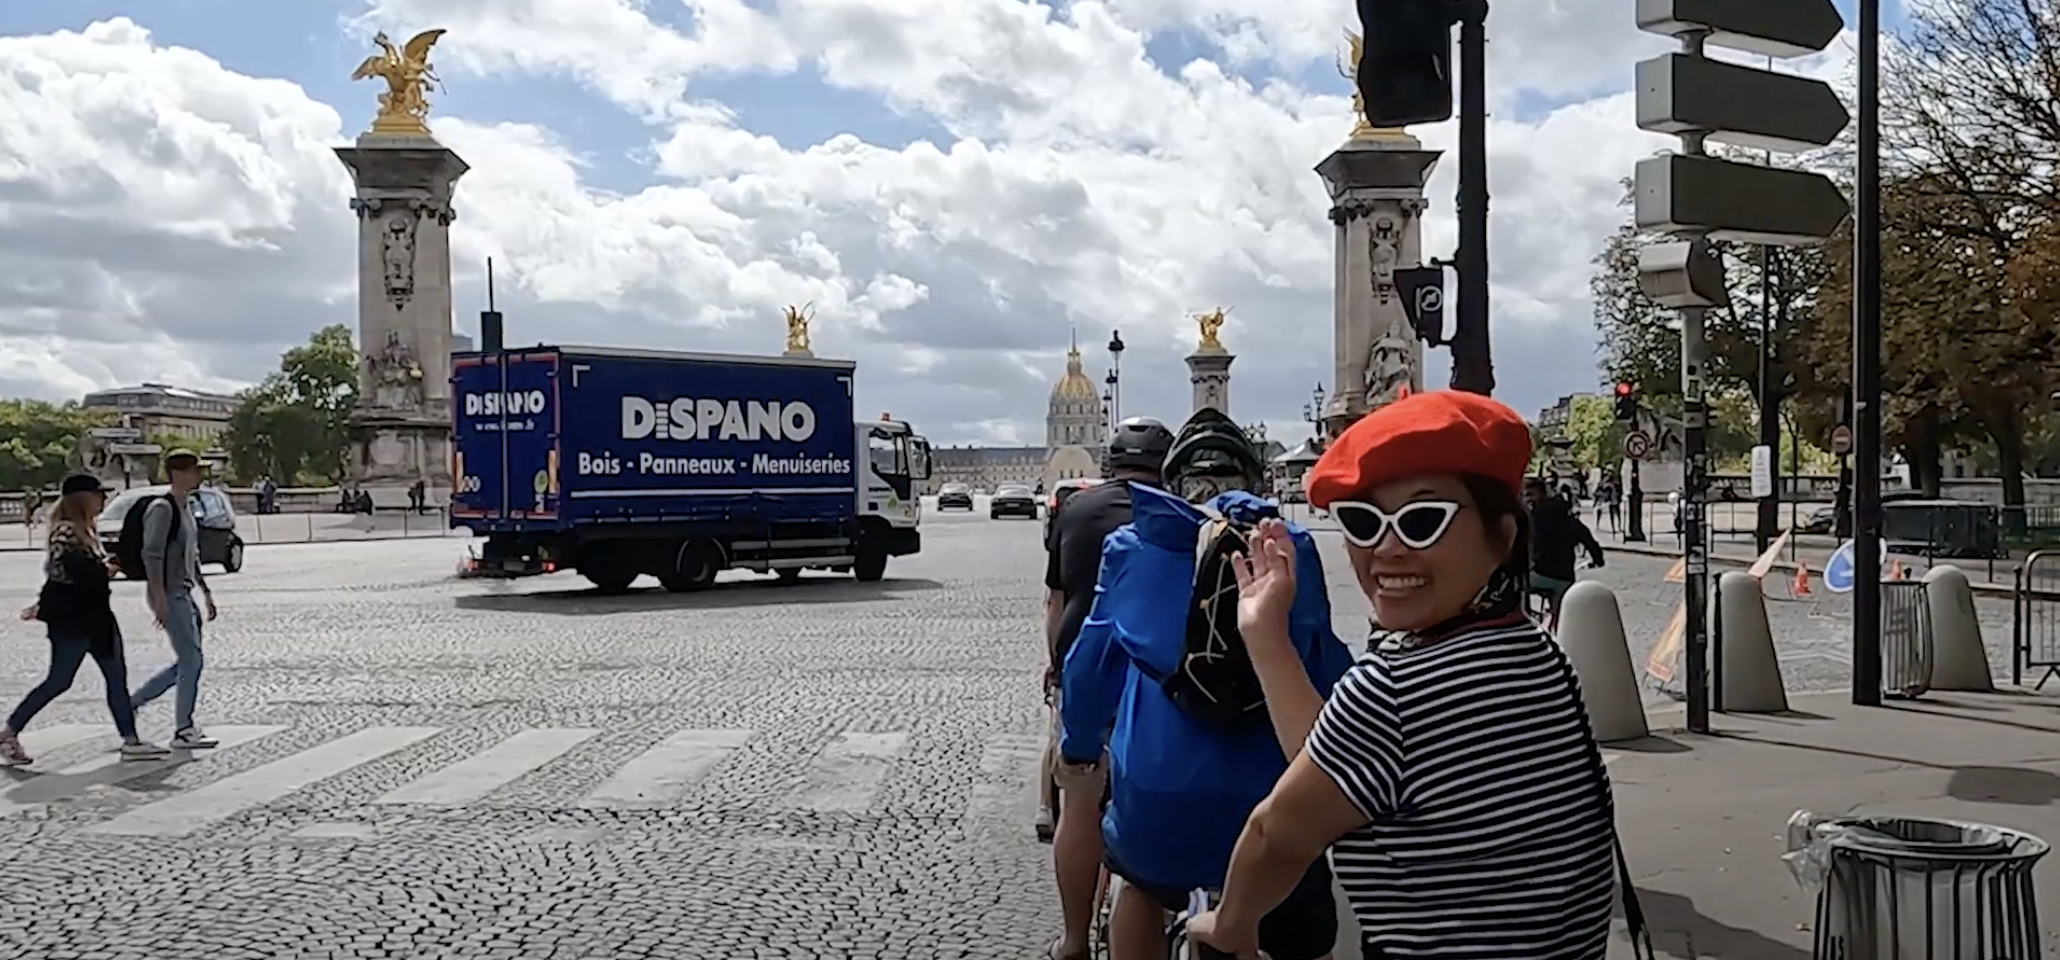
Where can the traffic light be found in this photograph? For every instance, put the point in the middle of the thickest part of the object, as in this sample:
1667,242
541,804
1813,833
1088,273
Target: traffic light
1404,72
1627,403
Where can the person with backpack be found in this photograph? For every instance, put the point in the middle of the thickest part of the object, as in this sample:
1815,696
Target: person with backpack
1200,718
160,539
1073,561
1452,776
75,605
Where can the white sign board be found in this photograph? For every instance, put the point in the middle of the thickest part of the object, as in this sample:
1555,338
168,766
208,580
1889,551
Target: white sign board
1762,471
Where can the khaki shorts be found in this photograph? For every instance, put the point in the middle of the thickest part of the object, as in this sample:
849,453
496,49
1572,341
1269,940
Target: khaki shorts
1083,782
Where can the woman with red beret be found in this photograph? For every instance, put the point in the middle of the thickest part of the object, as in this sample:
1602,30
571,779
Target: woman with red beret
1452,774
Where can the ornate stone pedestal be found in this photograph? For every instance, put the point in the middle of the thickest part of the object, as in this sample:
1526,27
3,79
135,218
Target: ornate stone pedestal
401,428
1209,371
1376,188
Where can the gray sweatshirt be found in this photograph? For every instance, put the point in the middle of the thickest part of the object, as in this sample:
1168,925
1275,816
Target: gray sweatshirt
176,564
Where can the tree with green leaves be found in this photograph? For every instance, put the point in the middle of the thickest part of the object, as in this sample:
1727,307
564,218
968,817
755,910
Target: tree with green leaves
37,440
294,425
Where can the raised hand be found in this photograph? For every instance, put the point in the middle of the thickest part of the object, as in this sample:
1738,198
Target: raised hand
1265,583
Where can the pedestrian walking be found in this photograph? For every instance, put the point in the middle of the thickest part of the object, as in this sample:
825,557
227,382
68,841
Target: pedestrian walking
169,554
76,606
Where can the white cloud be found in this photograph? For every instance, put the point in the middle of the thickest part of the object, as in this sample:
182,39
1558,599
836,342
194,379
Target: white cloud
152,198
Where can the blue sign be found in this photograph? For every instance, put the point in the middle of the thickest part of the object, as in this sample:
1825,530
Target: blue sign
1839,573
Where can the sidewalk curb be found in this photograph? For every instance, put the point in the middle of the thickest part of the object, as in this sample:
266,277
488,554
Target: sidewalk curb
1981,587
1672,718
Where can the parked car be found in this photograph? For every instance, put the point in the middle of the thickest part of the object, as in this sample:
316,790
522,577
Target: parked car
212,513
1012,501
954,496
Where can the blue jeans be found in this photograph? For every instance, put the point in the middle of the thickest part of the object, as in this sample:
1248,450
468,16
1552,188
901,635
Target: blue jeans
67,652
182,625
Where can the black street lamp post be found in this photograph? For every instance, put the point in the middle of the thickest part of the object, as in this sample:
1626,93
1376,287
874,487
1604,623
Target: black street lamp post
1116,375
1313,413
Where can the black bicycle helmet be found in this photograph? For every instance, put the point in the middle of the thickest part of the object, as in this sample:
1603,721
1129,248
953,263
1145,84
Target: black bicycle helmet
1210,444
1139,443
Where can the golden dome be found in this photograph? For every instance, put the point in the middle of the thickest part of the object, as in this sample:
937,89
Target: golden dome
1074,385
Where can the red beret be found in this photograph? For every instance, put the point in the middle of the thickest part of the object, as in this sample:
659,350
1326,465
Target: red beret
1439,432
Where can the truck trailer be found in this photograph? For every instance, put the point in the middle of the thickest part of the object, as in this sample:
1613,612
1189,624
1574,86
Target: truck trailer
621,463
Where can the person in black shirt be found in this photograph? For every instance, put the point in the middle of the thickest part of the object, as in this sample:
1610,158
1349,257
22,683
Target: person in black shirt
1073,558
1556,533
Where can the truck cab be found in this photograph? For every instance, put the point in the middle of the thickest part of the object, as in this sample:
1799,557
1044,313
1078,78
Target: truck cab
897,461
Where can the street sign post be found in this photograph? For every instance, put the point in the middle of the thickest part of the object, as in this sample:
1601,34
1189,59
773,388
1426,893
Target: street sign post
1698,198
1637,445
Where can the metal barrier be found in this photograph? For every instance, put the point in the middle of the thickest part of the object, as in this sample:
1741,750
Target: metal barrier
1906,643
271,528
2035,618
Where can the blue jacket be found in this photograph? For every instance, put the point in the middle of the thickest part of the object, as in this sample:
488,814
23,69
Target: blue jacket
1180,791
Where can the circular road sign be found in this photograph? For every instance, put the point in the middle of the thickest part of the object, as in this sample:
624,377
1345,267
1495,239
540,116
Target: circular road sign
1637,444
1841,440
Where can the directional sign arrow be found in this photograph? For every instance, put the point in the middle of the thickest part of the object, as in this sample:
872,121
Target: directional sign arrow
1678,93
1770,28
1736,201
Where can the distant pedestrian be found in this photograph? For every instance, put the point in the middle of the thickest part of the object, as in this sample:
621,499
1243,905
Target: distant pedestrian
418,497
75,606
171,563
32,502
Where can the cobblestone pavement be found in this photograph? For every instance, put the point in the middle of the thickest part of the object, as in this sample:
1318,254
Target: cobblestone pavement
415,766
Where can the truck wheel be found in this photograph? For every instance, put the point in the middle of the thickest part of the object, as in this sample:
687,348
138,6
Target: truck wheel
609,578
871,566
695,568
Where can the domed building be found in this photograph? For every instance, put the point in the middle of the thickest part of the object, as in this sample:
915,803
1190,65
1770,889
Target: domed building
1076,427
1076,424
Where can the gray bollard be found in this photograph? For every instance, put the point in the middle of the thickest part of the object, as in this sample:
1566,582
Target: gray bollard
1748,669
1959,657
1591,630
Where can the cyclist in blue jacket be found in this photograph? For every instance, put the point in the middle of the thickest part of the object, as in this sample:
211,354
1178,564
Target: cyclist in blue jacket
1181,785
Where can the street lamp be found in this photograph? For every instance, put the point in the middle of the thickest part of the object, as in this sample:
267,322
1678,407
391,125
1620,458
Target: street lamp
1116,375
1313,413
1109,404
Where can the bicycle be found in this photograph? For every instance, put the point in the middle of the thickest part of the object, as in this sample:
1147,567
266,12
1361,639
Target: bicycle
1177,945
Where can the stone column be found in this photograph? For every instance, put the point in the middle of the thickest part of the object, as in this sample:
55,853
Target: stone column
1209,371
1376,188
401,427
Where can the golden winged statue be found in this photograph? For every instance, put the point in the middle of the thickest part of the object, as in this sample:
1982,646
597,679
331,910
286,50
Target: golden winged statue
797,327
404,107
1211,324
1349,69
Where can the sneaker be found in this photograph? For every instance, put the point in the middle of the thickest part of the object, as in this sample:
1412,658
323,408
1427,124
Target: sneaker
192,739
11,752
143,750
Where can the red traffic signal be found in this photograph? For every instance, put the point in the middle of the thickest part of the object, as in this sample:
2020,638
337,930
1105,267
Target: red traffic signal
1623,389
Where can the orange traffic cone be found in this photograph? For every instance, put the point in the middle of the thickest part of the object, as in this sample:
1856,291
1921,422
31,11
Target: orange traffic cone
1801,586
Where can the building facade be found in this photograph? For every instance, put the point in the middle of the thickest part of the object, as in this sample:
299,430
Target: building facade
160,409
1076,427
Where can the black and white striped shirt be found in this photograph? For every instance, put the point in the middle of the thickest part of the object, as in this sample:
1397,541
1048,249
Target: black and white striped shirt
1492,832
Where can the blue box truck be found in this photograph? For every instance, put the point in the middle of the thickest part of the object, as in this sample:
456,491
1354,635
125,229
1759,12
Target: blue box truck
622,463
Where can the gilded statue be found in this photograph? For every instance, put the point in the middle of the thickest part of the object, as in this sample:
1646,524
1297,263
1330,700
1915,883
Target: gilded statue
1349,69
797,327
404,107
1211,324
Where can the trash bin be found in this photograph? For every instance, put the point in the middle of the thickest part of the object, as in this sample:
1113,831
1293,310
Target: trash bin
1904,888
1906,645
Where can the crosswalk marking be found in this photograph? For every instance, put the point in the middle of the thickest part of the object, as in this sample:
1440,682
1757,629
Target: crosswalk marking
188,812
38,740
668,769
849,771
474,777
1009,767
110,769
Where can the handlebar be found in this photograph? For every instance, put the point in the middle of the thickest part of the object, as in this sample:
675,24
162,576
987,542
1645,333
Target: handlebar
1177,945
